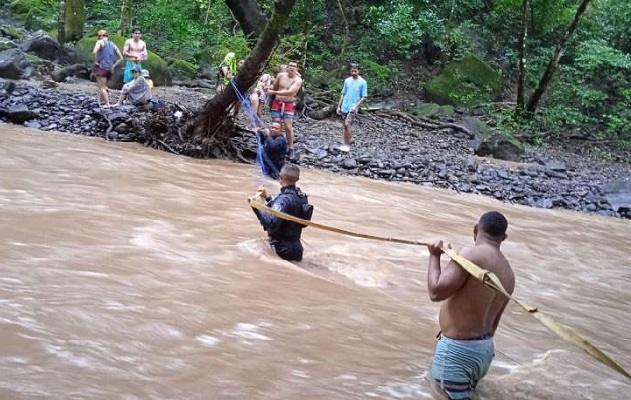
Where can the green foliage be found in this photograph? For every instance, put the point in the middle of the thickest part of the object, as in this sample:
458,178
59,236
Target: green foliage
458,42
401,28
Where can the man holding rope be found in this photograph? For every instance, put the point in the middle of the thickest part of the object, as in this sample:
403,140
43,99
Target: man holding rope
284,236
471,311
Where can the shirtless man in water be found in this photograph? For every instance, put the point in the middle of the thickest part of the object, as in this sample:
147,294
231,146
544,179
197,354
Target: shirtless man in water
471,311
286,87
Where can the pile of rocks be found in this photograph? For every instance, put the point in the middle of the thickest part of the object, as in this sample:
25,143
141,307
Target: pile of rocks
383,148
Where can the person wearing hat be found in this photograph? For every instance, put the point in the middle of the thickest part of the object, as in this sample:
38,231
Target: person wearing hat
145,74
354,92
137,92
106,58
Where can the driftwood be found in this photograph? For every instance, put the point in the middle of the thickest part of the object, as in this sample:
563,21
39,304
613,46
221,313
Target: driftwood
422,122
322,113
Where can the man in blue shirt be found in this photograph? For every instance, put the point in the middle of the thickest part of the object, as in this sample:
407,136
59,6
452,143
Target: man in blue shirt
354,92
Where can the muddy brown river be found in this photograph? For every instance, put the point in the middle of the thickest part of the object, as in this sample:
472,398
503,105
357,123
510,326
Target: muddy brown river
128,273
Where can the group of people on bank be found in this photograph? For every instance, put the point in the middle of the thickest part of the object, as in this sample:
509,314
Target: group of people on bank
138,85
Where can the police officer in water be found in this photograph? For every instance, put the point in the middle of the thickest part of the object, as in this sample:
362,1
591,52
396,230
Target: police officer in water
284,236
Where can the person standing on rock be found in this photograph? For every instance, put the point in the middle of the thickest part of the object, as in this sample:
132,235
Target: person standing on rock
285,89
354,93
135,51
106,58
471,311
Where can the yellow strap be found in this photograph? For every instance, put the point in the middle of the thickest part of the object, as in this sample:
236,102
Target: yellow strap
491,280
484,276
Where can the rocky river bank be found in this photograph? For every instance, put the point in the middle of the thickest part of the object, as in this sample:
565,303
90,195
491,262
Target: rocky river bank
578,177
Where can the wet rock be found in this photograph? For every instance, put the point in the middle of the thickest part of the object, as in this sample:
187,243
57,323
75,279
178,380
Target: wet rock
349,163
20,113
13,64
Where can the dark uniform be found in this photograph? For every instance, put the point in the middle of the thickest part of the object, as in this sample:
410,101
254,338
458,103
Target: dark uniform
284,236
274,149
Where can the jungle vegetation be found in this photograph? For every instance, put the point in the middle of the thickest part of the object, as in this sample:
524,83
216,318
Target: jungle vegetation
565,65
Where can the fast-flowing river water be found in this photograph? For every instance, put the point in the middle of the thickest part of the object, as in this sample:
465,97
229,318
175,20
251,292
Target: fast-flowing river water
128,273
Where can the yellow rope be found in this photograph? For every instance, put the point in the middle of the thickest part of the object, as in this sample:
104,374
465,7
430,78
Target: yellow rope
484,276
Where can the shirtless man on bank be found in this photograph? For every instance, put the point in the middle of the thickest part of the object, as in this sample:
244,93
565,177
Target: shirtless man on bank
471,311
285,89
134,51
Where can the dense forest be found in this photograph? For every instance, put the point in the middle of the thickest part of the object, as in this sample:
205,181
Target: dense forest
545,69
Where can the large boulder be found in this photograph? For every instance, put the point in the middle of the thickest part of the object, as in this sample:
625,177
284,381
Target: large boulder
13,65
467,82
158,69
486,141
42,45
181,69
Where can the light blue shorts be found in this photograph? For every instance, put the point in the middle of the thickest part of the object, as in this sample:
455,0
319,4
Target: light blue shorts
459,365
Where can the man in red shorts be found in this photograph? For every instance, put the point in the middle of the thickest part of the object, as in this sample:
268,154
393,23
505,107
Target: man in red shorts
285,89
106,58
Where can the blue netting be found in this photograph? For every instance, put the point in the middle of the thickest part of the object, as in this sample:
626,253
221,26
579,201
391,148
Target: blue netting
267,167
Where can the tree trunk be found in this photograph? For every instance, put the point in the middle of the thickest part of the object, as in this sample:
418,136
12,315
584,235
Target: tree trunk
522,56
554,62
124,27
61,24
74,19
215,112
340,58
250,17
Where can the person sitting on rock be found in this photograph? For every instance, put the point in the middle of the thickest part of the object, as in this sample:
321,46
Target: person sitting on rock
137,92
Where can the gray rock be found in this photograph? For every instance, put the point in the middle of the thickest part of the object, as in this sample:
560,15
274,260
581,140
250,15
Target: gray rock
20,113
13,64
349,163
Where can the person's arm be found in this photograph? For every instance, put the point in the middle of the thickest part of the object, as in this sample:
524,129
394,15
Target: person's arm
119,57
97,47
443,283
339,104
271,223
126,47
143,53
291,91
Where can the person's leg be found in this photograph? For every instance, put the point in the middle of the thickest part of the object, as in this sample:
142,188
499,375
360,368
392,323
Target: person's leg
289,132
103,98
254,102
348,122
122,98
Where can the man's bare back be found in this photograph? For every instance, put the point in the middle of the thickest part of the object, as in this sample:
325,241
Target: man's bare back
475,309
470,309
